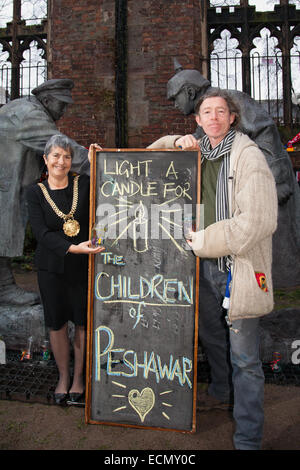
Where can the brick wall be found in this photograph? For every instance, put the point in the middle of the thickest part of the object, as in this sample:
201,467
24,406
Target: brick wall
158,32
82,46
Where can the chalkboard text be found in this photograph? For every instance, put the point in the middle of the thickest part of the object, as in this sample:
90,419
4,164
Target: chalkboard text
146,363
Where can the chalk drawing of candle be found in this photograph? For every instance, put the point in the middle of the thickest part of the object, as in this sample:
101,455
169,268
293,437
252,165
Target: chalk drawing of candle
140,230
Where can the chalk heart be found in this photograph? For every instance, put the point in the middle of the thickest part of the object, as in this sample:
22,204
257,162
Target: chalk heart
142,402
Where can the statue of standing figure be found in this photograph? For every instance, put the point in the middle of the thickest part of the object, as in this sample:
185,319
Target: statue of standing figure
185,89
26,124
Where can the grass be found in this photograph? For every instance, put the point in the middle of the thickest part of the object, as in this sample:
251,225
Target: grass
23,263
287,298
26,261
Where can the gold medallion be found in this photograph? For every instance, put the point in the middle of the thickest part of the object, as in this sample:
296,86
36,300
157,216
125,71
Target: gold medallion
71,227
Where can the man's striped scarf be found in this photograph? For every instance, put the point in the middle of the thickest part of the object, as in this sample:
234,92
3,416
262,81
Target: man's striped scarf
221,150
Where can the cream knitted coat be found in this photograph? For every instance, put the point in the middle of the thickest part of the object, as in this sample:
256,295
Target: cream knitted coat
247,235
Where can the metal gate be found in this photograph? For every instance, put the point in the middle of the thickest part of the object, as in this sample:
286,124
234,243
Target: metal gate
23,47
258,53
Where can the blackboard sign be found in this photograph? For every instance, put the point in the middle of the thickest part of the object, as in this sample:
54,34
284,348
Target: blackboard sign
143,290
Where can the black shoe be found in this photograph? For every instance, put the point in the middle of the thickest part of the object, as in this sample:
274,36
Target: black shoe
61,398
77,399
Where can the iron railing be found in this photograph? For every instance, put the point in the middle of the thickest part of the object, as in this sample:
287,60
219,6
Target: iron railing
23,49
31,76
266,80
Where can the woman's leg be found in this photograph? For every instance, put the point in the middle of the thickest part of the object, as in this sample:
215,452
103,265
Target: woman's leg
79,359
60,346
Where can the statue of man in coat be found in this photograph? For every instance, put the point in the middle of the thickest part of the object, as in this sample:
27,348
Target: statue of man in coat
26,124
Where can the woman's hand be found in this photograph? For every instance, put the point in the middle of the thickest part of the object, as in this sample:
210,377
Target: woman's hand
91,147
187,142
85,248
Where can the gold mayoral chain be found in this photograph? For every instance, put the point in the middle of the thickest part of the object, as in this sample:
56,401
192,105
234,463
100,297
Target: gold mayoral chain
71,226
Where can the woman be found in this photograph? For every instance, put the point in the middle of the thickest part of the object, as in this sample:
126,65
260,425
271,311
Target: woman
59,217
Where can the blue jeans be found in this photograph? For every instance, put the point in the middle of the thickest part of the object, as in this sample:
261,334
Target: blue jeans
233,356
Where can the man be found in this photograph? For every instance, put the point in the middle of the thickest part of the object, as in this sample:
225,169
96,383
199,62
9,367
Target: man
26,124
236,241
185,89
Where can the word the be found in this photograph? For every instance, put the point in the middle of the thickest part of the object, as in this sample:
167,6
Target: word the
130,364
110,258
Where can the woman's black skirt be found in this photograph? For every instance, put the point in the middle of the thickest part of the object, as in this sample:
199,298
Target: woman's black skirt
64,296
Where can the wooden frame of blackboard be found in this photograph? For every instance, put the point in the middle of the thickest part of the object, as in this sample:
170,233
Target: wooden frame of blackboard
89,355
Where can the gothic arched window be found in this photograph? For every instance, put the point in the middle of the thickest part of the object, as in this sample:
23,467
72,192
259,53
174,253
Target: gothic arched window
23,47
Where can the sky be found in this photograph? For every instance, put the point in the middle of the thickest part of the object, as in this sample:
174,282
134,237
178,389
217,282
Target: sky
30,9
261,5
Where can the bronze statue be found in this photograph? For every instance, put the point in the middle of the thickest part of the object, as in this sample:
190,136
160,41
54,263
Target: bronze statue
26,124
185,89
